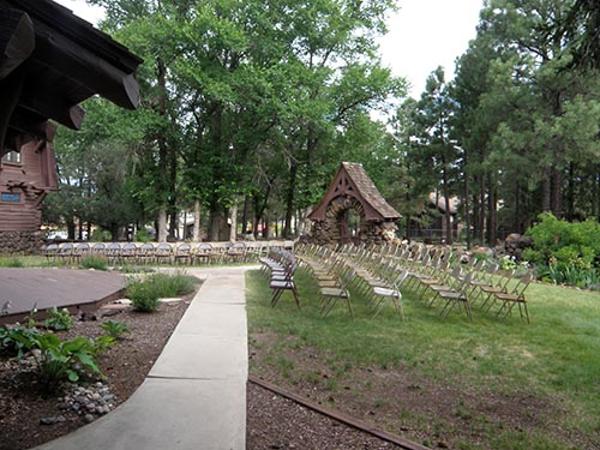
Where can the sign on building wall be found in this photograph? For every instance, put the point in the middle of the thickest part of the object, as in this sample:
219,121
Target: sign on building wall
10,197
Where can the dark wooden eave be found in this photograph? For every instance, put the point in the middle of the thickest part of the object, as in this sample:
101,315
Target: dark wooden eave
50,62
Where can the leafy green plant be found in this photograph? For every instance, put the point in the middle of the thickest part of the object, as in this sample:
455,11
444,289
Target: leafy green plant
59,320
562,243
102,343
114,328
59,360
143,296
17,340
94,262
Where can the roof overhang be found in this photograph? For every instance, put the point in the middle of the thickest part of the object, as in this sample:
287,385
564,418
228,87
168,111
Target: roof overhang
50,62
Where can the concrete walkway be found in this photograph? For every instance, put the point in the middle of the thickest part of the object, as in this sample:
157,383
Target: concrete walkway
194,397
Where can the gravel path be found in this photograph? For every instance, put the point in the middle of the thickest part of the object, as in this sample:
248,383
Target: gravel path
275,422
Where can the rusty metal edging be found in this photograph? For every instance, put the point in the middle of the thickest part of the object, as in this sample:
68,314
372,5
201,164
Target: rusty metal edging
338,416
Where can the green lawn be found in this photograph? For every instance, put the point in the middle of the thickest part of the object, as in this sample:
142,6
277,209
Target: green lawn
555,359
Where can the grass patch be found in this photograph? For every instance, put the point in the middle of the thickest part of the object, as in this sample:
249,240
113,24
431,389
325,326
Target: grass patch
94,262
555,357
11,261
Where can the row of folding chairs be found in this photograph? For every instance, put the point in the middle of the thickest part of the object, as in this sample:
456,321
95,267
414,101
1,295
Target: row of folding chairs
150,253
335,274
437,275
279,266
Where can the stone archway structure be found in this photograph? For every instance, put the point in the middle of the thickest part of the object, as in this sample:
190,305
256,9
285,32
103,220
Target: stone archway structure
353,190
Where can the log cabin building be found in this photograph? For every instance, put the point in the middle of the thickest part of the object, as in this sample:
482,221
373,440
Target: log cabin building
50,62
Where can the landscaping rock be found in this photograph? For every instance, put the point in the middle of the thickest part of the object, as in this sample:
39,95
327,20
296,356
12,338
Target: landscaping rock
96,399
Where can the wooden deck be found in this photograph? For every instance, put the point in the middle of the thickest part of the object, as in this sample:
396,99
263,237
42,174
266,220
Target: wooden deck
78,290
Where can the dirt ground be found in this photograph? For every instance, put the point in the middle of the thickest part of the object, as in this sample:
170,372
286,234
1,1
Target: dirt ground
125,366
275,422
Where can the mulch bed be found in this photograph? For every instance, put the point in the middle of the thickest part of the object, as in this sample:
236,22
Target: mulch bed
274,422
125,365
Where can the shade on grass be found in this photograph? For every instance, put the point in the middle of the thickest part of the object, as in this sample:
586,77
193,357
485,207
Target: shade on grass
556,355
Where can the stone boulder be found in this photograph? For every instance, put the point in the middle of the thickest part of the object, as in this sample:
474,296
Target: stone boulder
515,243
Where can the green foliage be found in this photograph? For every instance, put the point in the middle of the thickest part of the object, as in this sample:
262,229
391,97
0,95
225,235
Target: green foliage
570,275
143,236
114,328
143,296
168,285
17,340
11,262
102,343
563,244
59,320
60,361
94,262
100,235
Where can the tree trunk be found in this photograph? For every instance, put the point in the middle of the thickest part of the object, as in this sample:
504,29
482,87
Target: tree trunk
71,230
481,210
162,224
466,209
517,212
80,229
174,223
556,192
214,225
571,193
491,221
245,215
197,217
546,191
233,217
447,214
289,209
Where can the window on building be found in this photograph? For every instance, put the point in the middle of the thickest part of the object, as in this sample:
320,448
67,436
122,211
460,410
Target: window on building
12,157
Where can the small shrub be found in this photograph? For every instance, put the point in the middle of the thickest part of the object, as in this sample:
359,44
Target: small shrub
172,285
17,340
11,262
143,236
114,329
59,360
59,320
143,296
99,235
94,262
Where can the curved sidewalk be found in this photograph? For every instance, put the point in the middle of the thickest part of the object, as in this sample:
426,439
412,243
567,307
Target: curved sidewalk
194,397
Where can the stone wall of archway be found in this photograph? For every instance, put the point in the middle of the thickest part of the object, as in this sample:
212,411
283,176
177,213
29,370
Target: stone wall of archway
352,190
328,231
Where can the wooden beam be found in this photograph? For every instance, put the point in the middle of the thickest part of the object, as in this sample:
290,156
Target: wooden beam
17,40
27,122
86,68
10,92
52,106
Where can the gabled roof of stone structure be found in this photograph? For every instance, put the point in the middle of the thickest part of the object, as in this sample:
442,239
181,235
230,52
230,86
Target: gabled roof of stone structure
352,180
